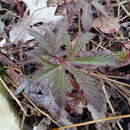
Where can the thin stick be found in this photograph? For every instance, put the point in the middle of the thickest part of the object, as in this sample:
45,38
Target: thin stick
117,4
3,9
42,112
100,43
123,7
104,77
116,77
118,14
100,32
94,121
99,46
4,85
121,19
112,109
119,91
22,123
79,24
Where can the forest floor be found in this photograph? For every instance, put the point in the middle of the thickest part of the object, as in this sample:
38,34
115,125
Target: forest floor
66,63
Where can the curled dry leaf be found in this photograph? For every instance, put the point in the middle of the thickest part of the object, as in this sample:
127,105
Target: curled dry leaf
41,94
38,12
107,24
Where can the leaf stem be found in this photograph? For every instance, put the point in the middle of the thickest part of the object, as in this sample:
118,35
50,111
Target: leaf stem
56,57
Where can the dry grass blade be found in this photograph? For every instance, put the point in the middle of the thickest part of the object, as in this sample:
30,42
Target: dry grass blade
104,77
42,112
94,121
117,89
22,122
4,85
123,7
111,107
4,9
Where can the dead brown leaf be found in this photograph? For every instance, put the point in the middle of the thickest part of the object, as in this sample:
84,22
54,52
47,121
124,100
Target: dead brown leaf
87,16
107,24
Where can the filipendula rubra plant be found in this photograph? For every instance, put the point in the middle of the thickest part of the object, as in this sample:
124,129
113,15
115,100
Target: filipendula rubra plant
60,58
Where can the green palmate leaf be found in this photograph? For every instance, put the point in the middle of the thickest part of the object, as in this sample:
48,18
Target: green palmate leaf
46,62
83,39
67,40
60,84
39,37
90,86
97,60
48,72
60,81
53,39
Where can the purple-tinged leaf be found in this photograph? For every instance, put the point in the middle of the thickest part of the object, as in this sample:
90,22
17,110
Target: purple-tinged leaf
87,17
46,73
107,24
100,7
94,95
97,60
83,39
67,41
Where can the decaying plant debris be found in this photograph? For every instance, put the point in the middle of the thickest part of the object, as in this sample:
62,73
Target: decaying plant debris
66,62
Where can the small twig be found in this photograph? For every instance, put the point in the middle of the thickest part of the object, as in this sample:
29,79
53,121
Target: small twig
22,123
100,43
124,90
116,77
118,14
94,121
118,90
3,9
4,85
100,32
79,23
112,109
99,46
123,7
117,4
121,19
101,76
117,38
42,112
